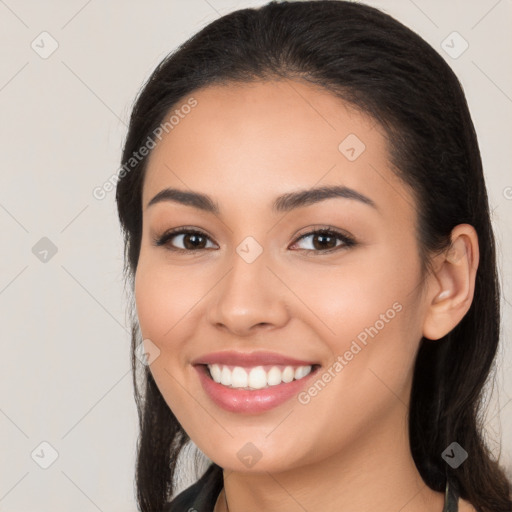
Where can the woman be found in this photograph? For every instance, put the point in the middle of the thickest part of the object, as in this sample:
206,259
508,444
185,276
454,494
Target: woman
308,244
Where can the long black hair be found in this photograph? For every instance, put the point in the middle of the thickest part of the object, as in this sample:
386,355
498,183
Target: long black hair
384,69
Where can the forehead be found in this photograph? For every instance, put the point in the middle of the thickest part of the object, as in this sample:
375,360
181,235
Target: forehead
252,142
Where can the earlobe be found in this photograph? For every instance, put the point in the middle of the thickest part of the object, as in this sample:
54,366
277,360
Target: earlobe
452,284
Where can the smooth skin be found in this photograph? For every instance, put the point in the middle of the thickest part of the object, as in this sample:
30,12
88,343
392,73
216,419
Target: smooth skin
244,145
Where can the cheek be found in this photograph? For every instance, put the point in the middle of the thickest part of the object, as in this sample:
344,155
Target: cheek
368,313
351,296
165,299
170,308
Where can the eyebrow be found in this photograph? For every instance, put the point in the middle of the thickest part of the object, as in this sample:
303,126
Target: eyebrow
283,203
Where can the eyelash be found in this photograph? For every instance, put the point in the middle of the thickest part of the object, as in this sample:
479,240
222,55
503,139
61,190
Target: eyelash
323,230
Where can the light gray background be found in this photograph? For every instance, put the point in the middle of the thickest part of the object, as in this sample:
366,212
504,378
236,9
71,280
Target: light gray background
65,369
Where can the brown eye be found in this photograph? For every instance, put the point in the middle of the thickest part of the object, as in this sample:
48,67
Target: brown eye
193,241
326,240
322,241
190,240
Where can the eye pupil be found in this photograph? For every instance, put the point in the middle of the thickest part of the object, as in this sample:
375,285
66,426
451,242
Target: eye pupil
192,236
323,236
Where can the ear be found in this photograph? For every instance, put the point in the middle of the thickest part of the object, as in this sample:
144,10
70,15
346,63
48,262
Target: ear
452,284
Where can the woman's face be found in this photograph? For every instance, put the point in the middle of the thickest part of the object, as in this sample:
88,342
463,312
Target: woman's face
248,283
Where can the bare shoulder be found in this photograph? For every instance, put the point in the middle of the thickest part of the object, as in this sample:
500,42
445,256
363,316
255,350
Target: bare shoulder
465,506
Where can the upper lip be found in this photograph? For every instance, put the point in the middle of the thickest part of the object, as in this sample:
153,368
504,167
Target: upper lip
249,359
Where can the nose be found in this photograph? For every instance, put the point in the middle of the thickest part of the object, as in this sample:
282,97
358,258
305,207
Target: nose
248,299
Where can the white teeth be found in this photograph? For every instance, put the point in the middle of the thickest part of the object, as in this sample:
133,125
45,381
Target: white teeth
288,374
301,371
225,376
257,377
215,371
274,376
239,378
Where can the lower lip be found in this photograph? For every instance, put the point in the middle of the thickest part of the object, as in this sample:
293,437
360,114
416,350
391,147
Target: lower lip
250,402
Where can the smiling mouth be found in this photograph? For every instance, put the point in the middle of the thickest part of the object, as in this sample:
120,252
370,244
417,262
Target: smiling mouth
256,377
